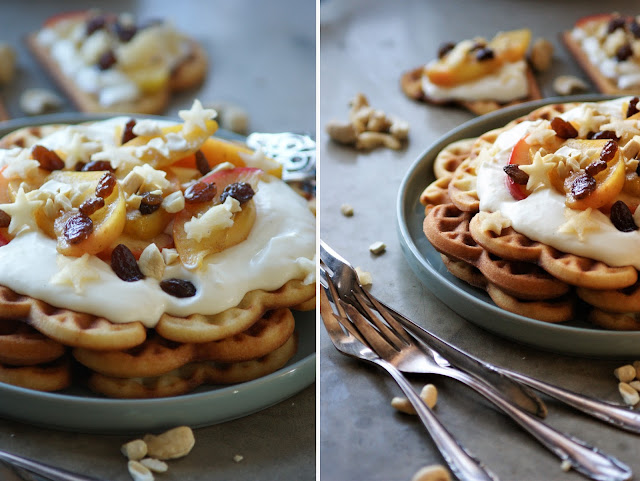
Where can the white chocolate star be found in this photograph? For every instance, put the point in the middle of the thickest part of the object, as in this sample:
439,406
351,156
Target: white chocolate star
123,159
196,117
493,221
625,129
578,223
538,171
258,160
21,212
74,272
20,165
78,150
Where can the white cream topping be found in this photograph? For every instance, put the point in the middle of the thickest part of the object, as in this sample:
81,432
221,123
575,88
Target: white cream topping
542,215
600,51
508,83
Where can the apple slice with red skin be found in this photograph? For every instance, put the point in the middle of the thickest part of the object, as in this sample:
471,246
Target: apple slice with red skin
520,155
598,17
192,251
72,15
4,237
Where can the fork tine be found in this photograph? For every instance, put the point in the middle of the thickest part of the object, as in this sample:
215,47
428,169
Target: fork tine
386,331
393,325
335,319
379,344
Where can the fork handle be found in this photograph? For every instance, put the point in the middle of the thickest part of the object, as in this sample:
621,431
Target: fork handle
50,472
619,416
461,462
583,458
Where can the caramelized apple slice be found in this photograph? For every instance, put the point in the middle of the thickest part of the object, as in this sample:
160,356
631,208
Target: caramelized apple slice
192,251
136,246
506,46
146,226
108,221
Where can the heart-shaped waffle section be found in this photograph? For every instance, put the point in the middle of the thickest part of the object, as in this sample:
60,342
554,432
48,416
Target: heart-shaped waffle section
447,228
449,158
554,310
190,376
158,356
41,377
569,268
21,345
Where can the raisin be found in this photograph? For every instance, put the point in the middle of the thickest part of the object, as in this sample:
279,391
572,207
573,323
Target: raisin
624,52
124,264
596,167
484,53
609,150
583,185
445,48
127,133
622,218
89,206
77,228
178,287
125,32
634,28
200,192
615,24
563,129
97,165
633,107
638,169
477,46
518,176
48,159
96,23
107,60
79,166
604,134
202,163
5,219
241,191
106,184
150,203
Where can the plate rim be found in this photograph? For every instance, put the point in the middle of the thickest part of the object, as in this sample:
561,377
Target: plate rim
422,267
290,379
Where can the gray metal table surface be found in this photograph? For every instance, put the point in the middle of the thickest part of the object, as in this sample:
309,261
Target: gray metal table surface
365,45
262,58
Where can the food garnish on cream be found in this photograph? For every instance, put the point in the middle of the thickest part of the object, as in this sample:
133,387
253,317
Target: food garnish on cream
68,220
587,186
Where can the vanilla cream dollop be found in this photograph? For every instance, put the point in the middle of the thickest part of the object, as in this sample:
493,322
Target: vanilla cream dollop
542,213
508,83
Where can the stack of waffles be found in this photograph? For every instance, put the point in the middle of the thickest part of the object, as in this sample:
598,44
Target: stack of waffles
192,301
536,275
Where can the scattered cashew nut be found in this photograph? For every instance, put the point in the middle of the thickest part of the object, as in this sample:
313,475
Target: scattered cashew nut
429,395
567,84
435,472
541,54
139,472
7,63
134,450
37,101
368,128
625,373
172,444
629,395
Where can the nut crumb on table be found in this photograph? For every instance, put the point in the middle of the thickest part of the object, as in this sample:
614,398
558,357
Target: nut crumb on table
377,248
435,472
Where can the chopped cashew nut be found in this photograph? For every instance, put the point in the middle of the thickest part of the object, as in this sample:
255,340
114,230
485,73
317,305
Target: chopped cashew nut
436,472
134,450
38,101
172,444
364,277
566,465
368,128
635,385
429,395
155,465
346,210
377,247
625,373
238,457
629,395
403,405
541,54
567,84
636,364
139,472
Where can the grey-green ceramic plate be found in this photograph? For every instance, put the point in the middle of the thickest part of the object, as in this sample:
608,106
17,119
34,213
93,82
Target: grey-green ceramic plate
78,409
574,338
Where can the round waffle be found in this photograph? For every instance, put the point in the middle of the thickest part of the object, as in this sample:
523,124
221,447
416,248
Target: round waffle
41,377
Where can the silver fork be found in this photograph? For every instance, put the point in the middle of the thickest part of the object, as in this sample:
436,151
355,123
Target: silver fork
345,280
391,342
461,462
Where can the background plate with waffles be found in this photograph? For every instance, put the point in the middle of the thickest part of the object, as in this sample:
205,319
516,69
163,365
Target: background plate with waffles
575,337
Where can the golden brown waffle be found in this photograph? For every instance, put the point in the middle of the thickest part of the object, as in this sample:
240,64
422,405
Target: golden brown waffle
615,320
447,228
190,376
27,136
449,158
158,356
411,85
21,345
43,377
569,268
619,300
554,310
